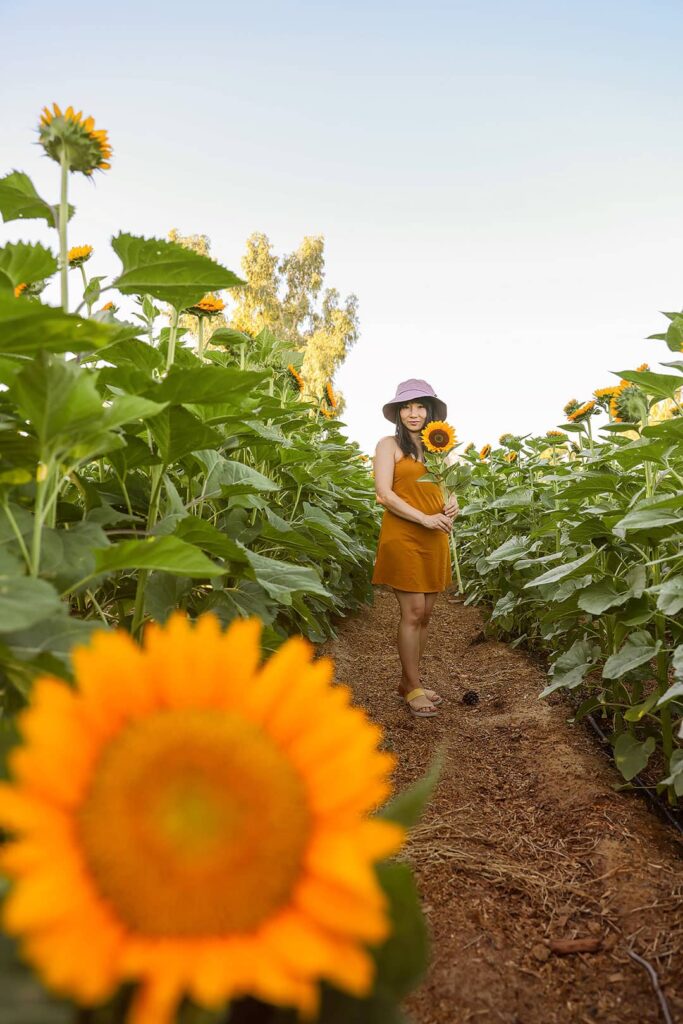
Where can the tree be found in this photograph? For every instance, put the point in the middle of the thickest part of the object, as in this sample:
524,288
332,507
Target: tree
287,296
200,244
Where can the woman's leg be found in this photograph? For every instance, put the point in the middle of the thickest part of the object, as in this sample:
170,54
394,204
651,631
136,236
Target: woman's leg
429,605
409,628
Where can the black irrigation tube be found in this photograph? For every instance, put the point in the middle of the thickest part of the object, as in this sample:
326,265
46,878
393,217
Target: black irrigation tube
639,786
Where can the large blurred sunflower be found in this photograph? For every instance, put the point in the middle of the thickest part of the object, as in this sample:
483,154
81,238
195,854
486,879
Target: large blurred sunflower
183,821
68,134
438,436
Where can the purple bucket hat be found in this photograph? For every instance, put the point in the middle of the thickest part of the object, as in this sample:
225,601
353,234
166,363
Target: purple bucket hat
408,391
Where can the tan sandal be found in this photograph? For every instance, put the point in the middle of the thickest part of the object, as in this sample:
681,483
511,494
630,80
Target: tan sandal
419,712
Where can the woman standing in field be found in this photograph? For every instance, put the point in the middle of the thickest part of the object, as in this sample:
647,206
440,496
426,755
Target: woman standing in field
413,554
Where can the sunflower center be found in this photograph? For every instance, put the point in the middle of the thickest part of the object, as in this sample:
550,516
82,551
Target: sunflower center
438,438
195,824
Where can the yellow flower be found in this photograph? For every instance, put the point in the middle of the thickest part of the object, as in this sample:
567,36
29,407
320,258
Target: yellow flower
556,433
642,368
327,413
330,395
571,405
196,822
296,378
485,452
108,306
208,306
510,456
79,255
69,134
606,392
20,288
581,411
438,436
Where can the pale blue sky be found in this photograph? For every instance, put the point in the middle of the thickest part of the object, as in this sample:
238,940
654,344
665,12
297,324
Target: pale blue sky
499,182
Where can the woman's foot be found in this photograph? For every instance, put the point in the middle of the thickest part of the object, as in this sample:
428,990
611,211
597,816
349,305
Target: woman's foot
418,703
432,696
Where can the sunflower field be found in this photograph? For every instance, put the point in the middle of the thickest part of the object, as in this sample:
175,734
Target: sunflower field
191,831
576,541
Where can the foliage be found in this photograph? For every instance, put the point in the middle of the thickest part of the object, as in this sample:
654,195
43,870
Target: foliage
578,546
287,296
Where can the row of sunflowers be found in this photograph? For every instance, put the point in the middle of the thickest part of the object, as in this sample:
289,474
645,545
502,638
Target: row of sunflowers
189,827
575,538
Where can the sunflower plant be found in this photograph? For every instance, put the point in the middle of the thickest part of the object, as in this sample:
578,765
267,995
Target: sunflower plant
438,439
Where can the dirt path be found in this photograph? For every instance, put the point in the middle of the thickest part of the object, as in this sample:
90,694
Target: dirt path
525,841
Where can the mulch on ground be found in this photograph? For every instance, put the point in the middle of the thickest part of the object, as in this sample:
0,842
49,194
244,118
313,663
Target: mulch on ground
536,876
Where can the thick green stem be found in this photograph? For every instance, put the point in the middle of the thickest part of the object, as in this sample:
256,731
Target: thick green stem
63,221
17,533
200,337
171,339
454,549
85,288
38,513
139,609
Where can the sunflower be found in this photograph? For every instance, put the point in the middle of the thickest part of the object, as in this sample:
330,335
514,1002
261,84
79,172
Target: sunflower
208,306
108,307
181,820
556,433
68,134
485,452
30,289
582,411
628,405
510,456
79,255
606,392
327,413
20,289
439,437
330,395
468,447
571,405
643,368
506,439
295,378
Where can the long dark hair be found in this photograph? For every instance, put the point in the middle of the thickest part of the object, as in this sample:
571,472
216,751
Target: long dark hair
403,438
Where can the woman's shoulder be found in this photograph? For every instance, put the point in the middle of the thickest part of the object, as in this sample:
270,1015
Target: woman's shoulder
388,446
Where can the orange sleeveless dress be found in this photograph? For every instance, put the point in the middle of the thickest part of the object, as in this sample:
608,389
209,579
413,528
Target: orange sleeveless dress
409,556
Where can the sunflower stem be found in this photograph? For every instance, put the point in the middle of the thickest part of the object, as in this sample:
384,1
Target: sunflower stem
63,220
171,339
200,337
85,288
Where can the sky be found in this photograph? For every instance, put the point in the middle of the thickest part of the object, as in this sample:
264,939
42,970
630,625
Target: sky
498,182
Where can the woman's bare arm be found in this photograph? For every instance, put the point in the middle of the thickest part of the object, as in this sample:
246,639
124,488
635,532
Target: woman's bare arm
385,460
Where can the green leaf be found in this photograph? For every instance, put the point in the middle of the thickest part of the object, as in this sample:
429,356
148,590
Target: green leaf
166,553
515,497
200,385
670,600
56,636
675,779
403,959
59,400
638,649
560,571
631,756
668,512
674,334
24,1000
281,579
177,433
233,477
26,327
598,597
572,666
130,409
25,601
20,201
227,337
167,271
510,550
24,263
661,385
407,808
638,711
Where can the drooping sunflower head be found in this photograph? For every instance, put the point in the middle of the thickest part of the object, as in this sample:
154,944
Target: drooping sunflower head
330,395
571,405
210,305
30,290
79,255
438,436
510,456
629,405
295,378
70,136
469,447
582,412
191,827
485,451
506,439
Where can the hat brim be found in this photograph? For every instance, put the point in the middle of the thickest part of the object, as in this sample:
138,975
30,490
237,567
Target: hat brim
390,410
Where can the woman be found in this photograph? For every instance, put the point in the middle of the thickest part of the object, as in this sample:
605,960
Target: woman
413,555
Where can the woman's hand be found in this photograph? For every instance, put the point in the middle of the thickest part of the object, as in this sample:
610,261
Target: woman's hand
451,508
439,521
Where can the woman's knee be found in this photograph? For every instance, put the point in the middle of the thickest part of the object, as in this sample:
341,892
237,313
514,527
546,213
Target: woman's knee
412,613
